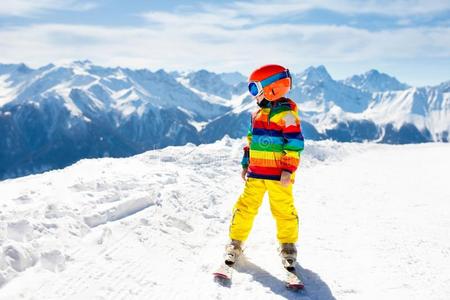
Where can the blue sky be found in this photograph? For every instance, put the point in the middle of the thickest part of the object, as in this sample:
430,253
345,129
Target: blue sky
407,39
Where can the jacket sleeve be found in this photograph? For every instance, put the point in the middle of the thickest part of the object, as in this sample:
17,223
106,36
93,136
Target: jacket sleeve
293,141
246,157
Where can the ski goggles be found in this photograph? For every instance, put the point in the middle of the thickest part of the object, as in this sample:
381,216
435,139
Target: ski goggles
256,88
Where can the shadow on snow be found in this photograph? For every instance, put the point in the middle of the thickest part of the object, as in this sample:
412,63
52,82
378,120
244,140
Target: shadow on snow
315,287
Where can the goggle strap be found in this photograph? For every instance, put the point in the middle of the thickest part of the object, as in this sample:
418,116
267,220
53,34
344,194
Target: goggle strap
275,77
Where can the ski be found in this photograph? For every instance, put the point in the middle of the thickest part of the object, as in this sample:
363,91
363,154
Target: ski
293,281
223,275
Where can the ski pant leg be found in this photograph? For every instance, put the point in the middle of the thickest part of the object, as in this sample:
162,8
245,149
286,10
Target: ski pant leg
246,208
283,210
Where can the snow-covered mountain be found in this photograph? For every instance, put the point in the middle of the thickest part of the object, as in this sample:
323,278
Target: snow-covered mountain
53,116
154,226
374,81
333,109
233,78
210,83
57,114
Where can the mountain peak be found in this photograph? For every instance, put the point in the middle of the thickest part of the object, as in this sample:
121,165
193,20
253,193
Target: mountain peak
233,78
372,72
23,68
46,67
205,75
85,62
162,72
18,68
315,74
210,83
375,81
202,73
444,86
77,64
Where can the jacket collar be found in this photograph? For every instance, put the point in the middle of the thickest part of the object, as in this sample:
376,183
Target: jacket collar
270,104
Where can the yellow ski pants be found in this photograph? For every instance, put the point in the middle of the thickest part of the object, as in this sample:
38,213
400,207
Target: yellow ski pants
281,205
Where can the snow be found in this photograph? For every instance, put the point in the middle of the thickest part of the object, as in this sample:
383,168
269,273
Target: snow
198,125
237,100
324,102
213,99
425,108
7,92
118,90
374,225
374,81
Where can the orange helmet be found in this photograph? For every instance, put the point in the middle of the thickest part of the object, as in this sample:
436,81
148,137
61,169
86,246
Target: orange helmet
274,81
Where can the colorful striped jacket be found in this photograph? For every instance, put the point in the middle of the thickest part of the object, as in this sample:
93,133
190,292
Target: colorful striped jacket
275,141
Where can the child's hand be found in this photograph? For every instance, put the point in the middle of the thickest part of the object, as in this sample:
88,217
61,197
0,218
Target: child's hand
285,179
244,174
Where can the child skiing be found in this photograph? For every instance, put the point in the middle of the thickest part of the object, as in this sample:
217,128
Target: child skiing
270,160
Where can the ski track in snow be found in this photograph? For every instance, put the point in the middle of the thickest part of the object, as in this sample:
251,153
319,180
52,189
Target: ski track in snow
374,225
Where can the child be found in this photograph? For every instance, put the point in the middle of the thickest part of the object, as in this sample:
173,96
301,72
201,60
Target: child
270,160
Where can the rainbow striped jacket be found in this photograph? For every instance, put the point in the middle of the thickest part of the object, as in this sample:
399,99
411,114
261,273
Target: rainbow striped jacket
275,141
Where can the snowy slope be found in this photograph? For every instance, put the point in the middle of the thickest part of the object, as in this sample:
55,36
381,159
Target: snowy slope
426,108
374,225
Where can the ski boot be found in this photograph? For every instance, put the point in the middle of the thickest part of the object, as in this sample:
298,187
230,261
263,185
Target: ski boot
232,252
288,253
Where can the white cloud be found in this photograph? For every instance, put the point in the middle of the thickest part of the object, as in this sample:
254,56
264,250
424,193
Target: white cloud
26,8
215,47
220,17
225,38
399,8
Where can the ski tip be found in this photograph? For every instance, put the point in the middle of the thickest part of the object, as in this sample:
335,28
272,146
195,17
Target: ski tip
222,279
220,275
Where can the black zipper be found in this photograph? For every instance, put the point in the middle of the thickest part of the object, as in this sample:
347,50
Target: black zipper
268,117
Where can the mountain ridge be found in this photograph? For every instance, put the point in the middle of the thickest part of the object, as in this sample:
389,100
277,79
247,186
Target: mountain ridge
54,115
